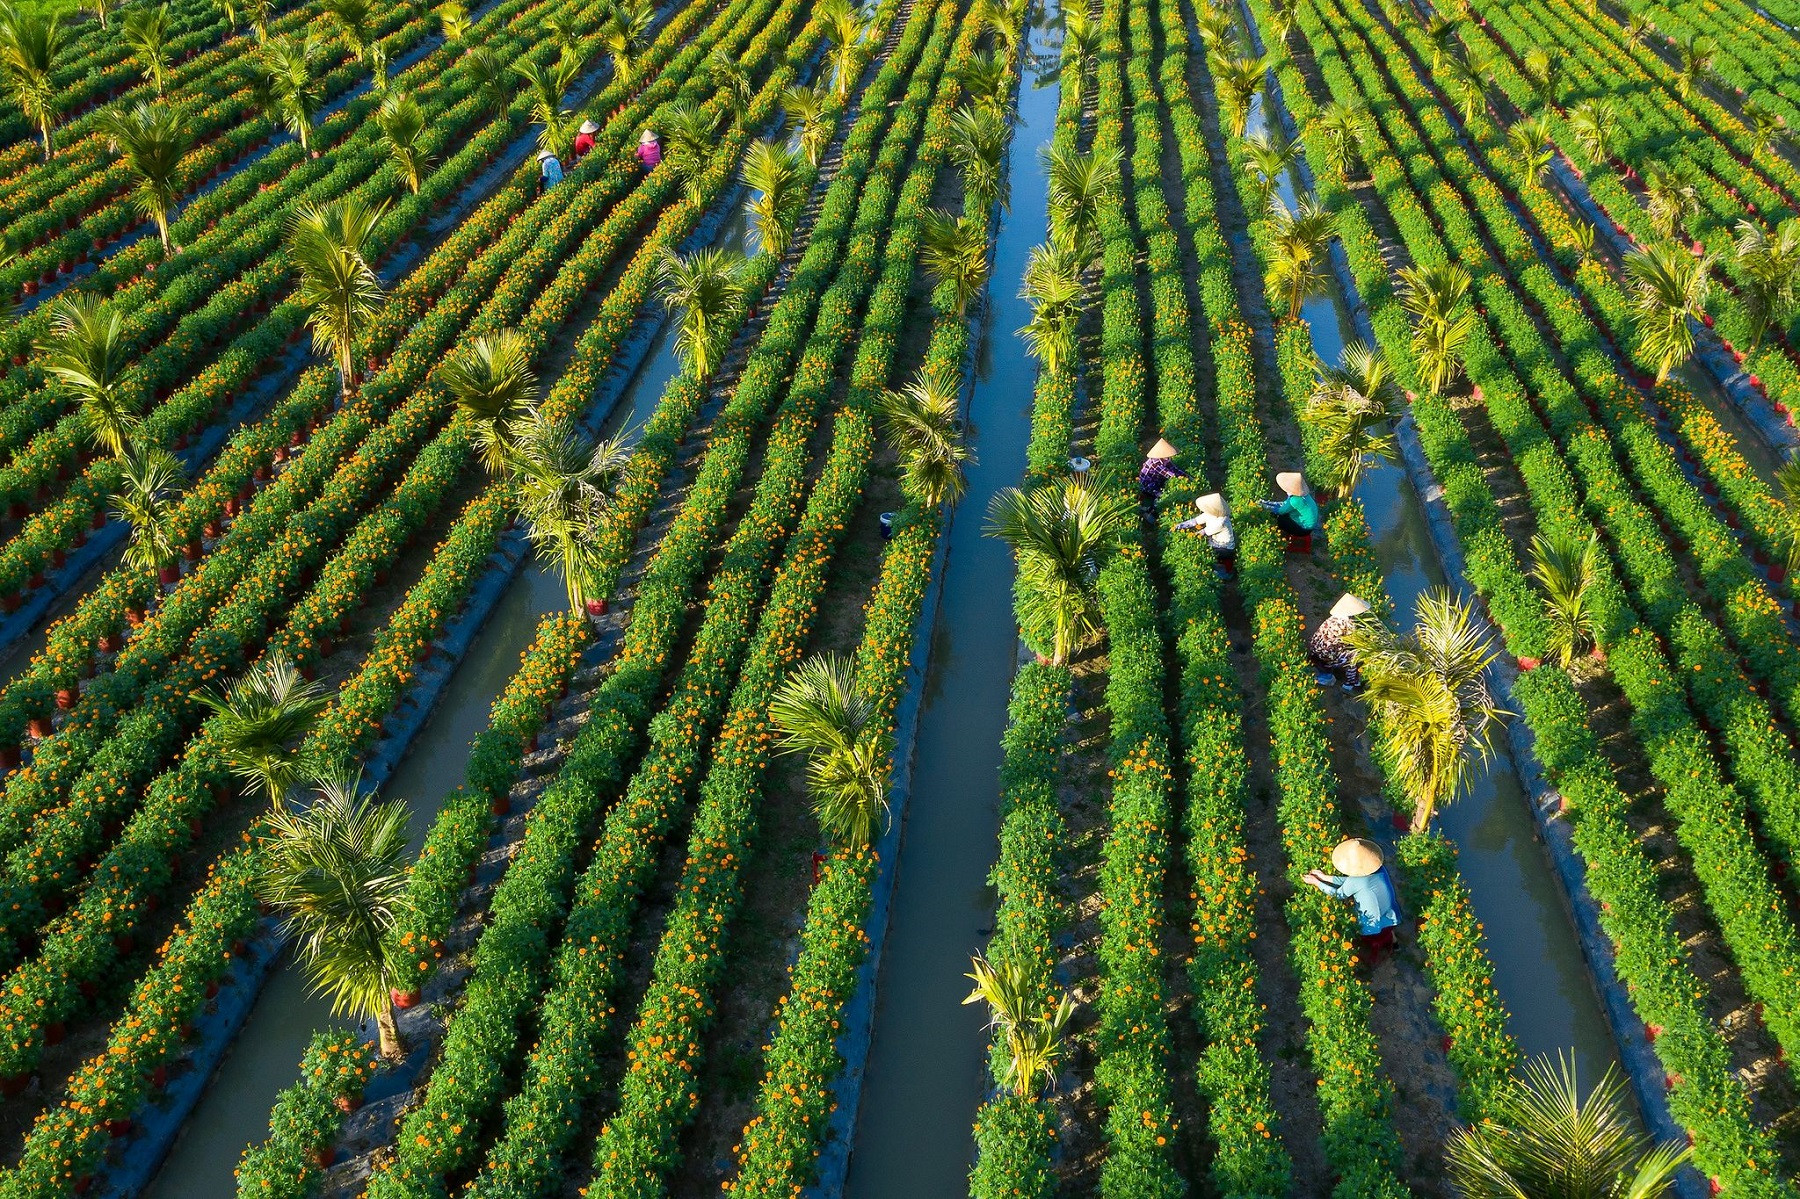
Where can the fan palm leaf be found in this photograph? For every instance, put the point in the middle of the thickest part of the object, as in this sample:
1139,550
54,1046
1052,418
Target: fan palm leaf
1565,567
401,120
260,722
1061,536
1442,323
707,289
772,171
149,501
327,245
495,390
1350,406
1668,293
152,139
30,42
1769,267
824,714
565,485
806,107
978,138
1054,288
923,423
1078,184
86,353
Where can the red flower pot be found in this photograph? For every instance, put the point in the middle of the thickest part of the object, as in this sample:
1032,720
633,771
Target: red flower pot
348,1103
14,1084
168,576
99,521
38,726
404,999
324,1155
66,697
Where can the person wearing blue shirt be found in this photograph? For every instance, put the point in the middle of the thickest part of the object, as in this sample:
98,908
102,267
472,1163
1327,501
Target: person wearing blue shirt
1298,514
1366,885
550,172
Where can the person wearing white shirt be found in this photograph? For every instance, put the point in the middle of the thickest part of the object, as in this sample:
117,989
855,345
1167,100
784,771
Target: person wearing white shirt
1214,523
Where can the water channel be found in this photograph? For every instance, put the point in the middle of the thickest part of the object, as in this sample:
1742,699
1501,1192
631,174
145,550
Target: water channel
234,1113
926,1072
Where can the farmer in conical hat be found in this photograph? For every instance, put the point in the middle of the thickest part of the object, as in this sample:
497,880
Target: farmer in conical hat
1159,467
1365,883
1298,514
1327,648
649,149
550,171
1214,523
584,141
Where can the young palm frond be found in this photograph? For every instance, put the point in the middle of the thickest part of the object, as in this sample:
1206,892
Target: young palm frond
1440,31
563,32
1266,157
772,171
690,136
1061,535
1767,128
1077,53
1769,264
1787,478
1344,127
401,120
492,78
1639,28
707,289
1078,183
1030,1027
495,389
149,500
1218,28
1000,19
30,42
1467,80
978,138
328,246
337,872
1301,238
1053,286
849,32
1697,55
146,31
806,107
261,13
260,722
1349,406
1541,1139
1668,293
1565,567
1529,140
924,425
1239,81
86,354
1595,124
1670,198
1442,323
724,73
1429,703
824,714
353,19
626,35
102,10
547,86
1544,71
953,251
152,139
565,485
982,77
292,67
455,18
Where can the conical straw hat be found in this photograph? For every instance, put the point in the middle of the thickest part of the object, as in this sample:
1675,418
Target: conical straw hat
543,154
1357,857
1349,605
646,137
1162,449
588,127
1292,482
1213,505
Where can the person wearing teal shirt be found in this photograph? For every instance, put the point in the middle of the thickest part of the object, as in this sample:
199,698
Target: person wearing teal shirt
1298,515
1366,886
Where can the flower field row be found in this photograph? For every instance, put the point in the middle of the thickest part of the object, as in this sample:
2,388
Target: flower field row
1709,1102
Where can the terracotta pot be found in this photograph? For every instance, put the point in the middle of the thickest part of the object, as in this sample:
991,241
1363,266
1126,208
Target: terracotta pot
348,1103
596,607
66,697
324,1155
501,805
168,576
159,1077
212,987
12,602
404,999
109,643
192,551
134,617
38,726
119,1128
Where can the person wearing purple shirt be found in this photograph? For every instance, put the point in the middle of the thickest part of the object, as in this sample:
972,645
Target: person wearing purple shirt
1159,467
649,150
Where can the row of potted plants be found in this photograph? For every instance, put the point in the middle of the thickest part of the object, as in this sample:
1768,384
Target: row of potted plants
307,1116
1711,1104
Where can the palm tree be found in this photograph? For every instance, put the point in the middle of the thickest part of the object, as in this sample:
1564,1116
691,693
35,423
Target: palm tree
1053,286
690,136
978,138
146,31
806,108
1565,567
1344,126
1529,138
86,353
924,426
1440,31
455,16
1467,80
152,139
562,32
1238,79
824,714
707,288
229,10
1769,265
29,44
772,171
261,13
953,251
982,78
1697,55
848,30
1428,699
1077,51
492,80
726,74
1266,156
1349,405
1544,71
1218,28
1078,183
1670,198
1301,238
260,723
149,500
1061,534
626,34
1668,292
402,123
1281,25
1787,478
102,9
1441,322
1595,124
292,66
1032,1031
546,87
1541,1139
328,246
1639,27
1000,19
495,389
352,17
338,873
565,485
1766,128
